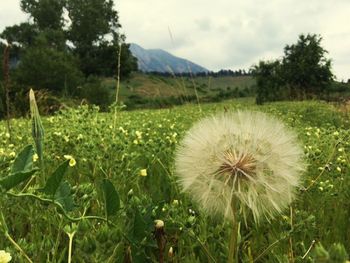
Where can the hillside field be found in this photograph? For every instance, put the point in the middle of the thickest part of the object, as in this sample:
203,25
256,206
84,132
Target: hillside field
116,177
142,90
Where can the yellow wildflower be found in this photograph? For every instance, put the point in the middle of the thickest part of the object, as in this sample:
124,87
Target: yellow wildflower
143,172
35,157
4,256
71,159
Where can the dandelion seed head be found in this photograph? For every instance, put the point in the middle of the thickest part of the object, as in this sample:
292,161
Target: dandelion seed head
245,156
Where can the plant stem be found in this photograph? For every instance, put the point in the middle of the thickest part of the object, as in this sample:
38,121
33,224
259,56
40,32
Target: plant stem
291,252
7,235
71,236
18,247
232,253
117,87
6,67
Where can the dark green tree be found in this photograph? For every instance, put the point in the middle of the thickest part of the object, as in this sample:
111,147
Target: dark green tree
48,18
94,34
305,67
23,34
47,14
268,81
43,67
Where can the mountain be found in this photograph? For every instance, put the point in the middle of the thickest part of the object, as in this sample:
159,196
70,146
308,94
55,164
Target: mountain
158,60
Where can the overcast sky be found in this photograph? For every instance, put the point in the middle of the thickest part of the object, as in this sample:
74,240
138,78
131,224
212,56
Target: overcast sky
228,34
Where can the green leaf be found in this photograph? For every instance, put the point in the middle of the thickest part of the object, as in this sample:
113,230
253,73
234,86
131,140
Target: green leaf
12,180
112,201
53,183
140,226
64,197
24,161
21,170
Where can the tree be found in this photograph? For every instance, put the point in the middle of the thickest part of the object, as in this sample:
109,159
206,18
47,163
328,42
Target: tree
268,81
94,34
43,67
305,67
24,34
47,14
303,72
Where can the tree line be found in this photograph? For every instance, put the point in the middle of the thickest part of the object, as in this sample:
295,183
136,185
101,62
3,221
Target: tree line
214,74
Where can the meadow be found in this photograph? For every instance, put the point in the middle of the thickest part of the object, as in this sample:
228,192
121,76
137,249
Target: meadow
106,177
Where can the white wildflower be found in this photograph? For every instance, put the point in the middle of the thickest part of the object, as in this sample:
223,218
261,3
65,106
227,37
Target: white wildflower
247,158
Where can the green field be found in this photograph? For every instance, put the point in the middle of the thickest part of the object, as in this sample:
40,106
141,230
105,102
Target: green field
41,215
149,90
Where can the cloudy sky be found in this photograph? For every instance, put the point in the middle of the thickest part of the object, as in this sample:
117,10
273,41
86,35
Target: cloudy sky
228,33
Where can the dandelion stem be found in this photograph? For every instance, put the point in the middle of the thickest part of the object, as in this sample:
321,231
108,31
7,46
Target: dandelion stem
291,252
232,253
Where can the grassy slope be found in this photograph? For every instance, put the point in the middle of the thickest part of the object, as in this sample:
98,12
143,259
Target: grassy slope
152,86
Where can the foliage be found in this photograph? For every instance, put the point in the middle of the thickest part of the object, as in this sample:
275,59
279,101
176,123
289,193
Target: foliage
96,93
97,43
305,66
23,34
147,139
303,72
51,52
42,67
47,14
268,81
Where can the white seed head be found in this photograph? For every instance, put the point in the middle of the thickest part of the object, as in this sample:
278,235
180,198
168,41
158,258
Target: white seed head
249,157
4,256
159,224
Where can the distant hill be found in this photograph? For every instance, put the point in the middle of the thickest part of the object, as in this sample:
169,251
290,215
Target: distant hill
158,60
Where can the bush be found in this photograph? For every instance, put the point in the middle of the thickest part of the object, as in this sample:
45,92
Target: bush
96,93
46,68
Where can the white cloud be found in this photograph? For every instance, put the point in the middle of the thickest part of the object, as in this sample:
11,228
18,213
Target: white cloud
227,33
10,13
236,34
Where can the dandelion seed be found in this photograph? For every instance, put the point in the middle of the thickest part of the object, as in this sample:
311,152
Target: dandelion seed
247,157
4,256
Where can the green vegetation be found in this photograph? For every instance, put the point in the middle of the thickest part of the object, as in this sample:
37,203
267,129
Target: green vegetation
58,54
96,169
154,91
303,73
